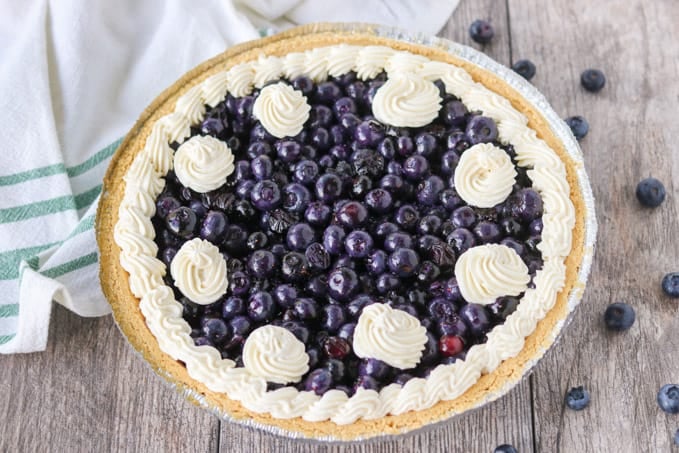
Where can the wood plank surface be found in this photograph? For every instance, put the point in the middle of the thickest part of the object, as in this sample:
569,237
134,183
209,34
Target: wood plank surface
633,135
90,392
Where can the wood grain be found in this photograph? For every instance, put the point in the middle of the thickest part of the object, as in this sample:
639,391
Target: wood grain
90,392
633,136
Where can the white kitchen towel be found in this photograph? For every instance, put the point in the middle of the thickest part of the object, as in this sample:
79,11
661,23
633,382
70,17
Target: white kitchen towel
74,76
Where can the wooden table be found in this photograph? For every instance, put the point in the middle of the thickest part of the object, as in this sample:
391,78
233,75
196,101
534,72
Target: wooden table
90,392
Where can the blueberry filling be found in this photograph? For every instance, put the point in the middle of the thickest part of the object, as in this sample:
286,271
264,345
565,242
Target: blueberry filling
348,213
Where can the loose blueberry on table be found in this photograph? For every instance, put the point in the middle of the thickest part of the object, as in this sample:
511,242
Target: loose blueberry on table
525,68
670,284
350,212
668,398
505,448
651,192
592,80
481,31
619,316
577,398
578,125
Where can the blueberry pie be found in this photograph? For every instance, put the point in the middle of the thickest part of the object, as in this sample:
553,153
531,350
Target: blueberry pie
339,235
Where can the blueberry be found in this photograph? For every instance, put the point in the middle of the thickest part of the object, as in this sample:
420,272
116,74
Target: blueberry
577,398
294,266
305,308
318,257
457,141
525,68
407,217
288,150
379,200
318,381
333,239
265,195
240,325
261,167
285,295
333,318
328,187
450,345
296,197
374,368
232,306
487,232
463,217
257,240
505,448
387,282
441,309
415,167
306,171
239,283
428,190
481,129
317,213
261,263
343,283
358,244
579,126
300,236
182,222
336,347
651,192
367,382
261,306
397,240
453,113
670,284
515,245
165,205
481,31
619,316
668,398
369,133
215,329
297,329
526,205
352,214
367,162
303,84
503,307
477,319
592,80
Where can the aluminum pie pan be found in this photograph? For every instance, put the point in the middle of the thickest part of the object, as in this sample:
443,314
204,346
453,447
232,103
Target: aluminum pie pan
557,127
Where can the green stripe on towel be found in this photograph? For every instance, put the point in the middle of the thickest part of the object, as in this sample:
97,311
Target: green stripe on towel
70,266
9,310
51,206
55,169
5,338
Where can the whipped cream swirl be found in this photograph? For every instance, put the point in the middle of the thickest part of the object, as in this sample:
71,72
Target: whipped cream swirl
485,175
281,109
392,336
275,354
199,271
203,163
407,100
489,271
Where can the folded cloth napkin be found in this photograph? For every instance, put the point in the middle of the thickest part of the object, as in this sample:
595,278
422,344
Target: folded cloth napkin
74,76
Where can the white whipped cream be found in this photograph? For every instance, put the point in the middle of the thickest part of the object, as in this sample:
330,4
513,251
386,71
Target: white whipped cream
281,109
266,69
239,79
203,163
199,271
203,363
275,354
392,336
485,175
407,100
489,271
